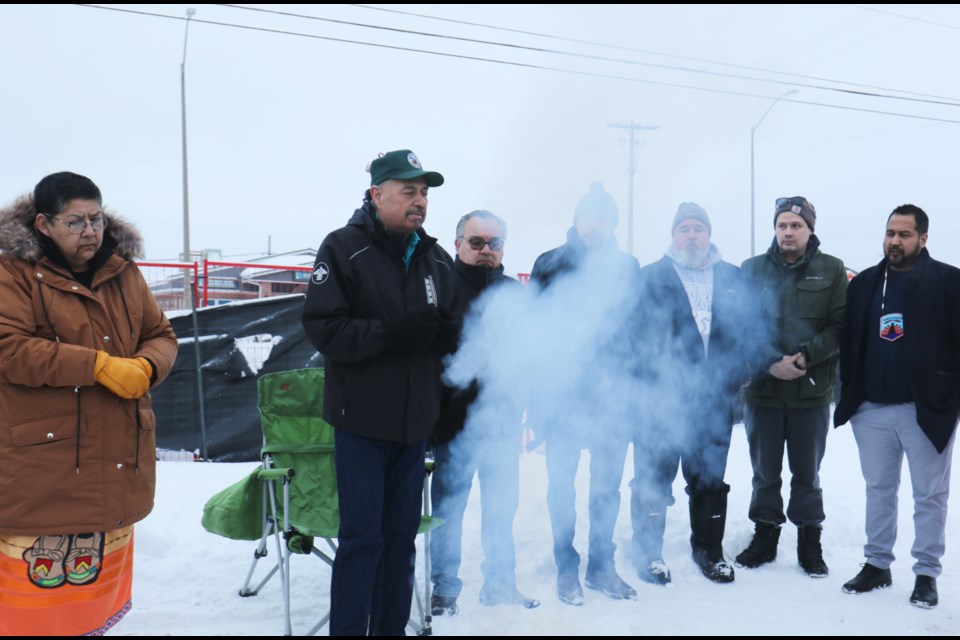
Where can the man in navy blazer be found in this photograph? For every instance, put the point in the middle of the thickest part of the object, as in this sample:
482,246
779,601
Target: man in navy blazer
900,375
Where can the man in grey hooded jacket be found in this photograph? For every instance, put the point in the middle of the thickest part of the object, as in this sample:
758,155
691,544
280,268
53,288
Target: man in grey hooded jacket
695,350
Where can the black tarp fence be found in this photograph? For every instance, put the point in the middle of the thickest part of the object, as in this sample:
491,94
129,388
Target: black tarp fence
238,343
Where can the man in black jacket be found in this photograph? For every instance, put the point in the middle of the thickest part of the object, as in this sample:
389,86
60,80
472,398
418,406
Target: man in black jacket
695,315
479,438
900,375
589,272
381,307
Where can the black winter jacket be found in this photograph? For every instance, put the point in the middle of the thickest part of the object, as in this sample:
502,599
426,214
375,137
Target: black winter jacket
570,256
359,283
671,346
931,317
472,280
602,279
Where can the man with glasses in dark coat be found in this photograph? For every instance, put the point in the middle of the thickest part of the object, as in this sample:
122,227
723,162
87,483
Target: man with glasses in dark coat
479,438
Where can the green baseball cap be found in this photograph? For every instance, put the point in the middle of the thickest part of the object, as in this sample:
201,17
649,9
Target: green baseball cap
402,164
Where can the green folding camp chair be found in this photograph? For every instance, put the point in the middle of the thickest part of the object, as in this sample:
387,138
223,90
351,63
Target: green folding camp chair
292,498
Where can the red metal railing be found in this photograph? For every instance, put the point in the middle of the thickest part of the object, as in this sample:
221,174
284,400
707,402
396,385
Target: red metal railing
163,280
217,281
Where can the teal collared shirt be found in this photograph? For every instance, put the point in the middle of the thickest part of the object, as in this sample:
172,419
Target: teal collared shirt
412,243
411,247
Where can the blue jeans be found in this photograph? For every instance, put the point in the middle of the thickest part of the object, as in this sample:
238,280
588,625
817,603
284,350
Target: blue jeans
702,459
380,488
496,460
607,458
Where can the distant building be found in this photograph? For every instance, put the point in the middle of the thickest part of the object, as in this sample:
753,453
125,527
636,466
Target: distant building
225,281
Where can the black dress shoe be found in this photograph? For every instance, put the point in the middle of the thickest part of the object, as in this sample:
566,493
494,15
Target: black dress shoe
925,592
494,597
607,581
443,605
568,588
868,579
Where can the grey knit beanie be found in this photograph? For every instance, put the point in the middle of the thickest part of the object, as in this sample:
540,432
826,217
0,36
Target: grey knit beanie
691,210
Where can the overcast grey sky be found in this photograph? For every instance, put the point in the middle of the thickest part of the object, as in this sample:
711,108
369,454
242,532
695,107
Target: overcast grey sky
280,125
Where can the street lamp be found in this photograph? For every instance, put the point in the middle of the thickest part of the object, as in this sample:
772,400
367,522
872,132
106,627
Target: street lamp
189,300
753,130
187,293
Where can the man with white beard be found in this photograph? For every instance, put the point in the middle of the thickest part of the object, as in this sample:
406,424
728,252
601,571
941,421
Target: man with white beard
695,340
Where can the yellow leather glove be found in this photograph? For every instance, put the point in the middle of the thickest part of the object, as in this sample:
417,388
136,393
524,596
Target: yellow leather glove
145,365
125,377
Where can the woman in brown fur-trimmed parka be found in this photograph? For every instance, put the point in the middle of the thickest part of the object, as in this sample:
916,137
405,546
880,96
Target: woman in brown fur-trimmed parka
82,339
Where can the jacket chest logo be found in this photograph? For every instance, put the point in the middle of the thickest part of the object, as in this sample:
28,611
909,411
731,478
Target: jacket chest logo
891,327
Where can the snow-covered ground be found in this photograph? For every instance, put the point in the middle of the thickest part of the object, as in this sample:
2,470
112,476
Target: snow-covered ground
187,579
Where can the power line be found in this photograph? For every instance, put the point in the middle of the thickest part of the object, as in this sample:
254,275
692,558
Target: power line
646,51
523,65
651,52
661,168
904,17
945,102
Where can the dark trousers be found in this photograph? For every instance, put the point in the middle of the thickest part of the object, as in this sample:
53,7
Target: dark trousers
657,452
380,488
702,459
496,461
607,458
804,433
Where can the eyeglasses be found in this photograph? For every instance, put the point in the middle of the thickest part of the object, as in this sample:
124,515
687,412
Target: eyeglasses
476,242
795,201
77,226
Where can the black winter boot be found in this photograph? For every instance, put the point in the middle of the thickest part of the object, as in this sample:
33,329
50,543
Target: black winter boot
708,517
763,547
925,592
649,521
809,551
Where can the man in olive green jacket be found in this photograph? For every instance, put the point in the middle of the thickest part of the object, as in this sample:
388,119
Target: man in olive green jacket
802,293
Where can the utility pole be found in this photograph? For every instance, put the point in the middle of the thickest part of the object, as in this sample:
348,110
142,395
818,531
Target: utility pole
632,152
